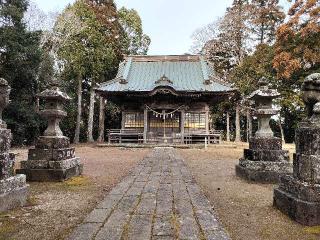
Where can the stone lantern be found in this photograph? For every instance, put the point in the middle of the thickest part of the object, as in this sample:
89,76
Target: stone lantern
53,111
52,159
264,161
298,195
263,99
13,188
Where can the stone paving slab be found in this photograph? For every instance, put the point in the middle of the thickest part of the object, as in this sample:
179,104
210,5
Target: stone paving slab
158,200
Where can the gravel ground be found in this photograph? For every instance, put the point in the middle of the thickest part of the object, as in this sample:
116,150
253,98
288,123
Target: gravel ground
244,208
56,208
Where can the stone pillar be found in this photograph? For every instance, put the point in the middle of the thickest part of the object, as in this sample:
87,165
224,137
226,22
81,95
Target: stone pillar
13,188
145,127
264,161
298,195
102,116
183,119
52,159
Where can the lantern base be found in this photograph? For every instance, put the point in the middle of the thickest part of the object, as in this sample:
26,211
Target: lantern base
52,159
51,175
262,171
303,211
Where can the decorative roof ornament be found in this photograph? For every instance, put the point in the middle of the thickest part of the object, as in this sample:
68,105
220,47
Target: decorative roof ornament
164,80
208,82
123,81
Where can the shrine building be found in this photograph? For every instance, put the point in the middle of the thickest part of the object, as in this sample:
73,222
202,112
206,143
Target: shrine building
165,99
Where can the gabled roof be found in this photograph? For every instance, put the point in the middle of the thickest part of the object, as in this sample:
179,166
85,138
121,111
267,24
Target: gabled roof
186,73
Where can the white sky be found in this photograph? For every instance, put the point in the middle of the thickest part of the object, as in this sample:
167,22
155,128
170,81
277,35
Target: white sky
169,23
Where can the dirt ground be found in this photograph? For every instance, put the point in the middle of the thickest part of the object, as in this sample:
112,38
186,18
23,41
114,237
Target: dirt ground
244,208
54,209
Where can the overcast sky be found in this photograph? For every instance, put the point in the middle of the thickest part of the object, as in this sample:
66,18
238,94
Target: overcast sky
169,23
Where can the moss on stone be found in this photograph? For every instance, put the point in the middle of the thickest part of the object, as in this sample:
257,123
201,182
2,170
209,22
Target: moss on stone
77,181
312,230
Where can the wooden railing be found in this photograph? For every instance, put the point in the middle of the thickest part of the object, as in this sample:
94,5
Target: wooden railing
201,136
190,137
125,136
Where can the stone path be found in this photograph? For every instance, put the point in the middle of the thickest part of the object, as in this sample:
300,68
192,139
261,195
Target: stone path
159,200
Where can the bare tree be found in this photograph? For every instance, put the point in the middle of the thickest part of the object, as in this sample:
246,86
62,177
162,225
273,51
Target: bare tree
36,19
202,36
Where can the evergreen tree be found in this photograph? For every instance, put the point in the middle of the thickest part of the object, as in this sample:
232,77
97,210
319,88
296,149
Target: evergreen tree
20,57
266,17
87,38
136,42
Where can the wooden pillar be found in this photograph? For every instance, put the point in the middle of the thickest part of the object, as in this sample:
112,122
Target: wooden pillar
183,117
123,120
145,128
102,116
228,127
207,122
238,137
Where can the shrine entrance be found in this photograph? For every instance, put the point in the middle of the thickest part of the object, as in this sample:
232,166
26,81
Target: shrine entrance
164,129
164,125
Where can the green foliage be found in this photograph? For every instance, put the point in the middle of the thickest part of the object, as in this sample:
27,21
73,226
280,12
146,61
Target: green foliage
246,75
82,44
260,64
135,42
20,57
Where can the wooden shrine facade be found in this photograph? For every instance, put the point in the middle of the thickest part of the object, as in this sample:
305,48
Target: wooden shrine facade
165,99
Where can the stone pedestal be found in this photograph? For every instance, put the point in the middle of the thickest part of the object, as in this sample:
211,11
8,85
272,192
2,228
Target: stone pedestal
13,192
13,188
264,161
298,195
52,159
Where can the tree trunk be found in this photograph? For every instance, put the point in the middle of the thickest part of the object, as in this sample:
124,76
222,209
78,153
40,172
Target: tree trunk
91,112
228,127
79,112
249,125
238,137
101,120
37,105
281,130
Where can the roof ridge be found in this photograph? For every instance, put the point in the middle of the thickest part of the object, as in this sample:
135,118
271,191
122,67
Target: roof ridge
164,58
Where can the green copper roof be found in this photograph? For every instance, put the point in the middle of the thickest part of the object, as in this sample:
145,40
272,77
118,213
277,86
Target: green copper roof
182,73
